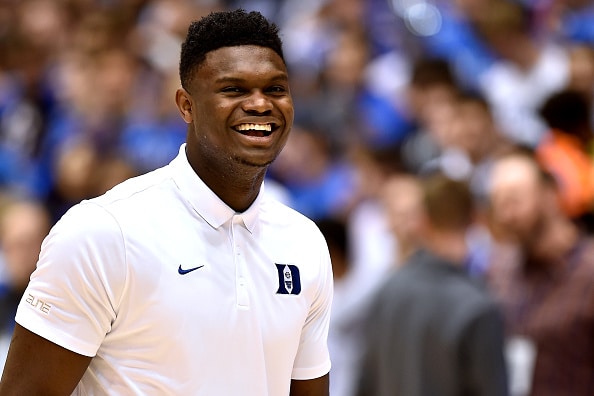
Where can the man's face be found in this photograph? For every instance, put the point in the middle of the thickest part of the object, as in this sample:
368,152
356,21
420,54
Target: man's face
241,108
472,129
403,200
517,198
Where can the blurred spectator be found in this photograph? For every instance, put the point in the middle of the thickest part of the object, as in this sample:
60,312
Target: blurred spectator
564,152
32,38
402,197
23,225
337,106
458,42
431,330
581,78
385,108
151,138
319,184
349,305
526,73
373,249
475,134
431,93
547,287
567,20
83,148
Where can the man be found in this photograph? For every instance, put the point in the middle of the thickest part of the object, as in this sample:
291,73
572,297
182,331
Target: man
188,280
431,330
546,287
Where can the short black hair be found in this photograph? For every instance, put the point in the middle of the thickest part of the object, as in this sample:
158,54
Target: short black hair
225,29
566,111
430,71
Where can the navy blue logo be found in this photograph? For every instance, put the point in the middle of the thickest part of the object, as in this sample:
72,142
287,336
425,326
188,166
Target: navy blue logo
289,281
182,271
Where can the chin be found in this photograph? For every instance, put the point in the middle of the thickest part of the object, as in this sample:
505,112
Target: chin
259,160
255,162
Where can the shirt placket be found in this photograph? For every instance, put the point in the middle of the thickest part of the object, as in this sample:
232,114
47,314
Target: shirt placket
241,284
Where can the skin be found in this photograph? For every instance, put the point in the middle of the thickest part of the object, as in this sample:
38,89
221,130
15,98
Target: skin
402,197
235,85
526,210
516,198
36,366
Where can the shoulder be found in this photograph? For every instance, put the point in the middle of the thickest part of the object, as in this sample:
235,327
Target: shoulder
428,278
134,188
282,218
101,216
83,221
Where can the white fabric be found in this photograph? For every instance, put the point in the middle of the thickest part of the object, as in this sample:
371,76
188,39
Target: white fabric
516,95
107,285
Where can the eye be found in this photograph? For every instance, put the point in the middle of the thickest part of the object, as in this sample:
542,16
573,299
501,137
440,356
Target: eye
232,90
277,89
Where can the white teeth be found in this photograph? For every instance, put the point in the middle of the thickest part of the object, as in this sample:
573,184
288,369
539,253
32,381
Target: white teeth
255,127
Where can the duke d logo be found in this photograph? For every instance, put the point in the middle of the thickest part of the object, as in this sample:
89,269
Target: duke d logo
289,281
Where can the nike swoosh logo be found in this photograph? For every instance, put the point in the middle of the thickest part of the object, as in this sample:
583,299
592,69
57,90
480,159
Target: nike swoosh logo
182,271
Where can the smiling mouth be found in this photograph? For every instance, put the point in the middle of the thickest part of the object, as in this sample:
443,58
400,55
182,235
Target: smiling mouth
256,130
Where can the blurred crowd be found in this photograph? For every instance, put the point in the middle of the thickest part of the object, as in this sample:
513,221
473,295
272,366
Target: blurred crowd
495,94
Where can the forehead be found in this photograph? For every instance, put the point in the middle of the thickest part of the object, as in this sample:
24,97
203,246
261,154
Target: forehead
400,188
245,61
513,174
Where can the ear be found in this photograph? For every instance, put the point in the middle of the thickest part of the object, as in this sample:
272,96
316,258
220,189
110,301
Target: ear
184,104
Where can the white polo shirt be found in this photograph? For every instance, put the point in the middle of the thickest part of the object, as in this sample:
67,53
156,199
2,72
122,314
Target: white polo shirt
174,293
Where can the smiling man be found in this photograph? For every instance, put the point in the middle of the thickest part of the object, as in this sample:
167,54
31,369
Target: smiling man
188,280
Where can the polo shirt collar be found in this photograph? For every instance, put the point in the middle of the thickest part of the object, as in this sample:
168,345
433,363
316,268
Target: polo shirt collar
204,201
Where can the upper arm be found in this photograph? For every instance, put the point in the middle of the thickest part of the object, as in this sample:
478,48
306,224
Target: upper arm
68,306
73,294
36,366
312,387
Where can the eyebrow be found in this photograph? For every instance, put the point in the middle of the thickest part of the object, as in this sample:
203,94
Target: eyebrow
281,77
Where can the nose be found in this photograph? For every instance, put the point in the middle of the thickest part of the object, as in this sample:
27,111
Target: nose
257,102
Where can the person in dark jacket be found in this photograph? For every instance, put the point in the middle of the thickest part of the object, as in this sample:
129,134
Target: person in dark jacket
431,329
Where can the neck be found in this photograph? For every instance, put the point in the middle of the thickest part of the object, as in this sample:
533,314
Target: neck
450,245
405,249
241,192
237,186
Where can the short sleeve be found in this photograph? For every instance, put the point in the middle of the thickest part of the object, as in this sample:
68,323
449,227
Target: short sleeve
73,295
313,357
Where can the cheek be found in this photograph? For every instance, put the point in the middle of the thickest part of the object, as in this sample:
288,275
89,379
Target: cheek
213,110
526,213
286,107
522,214
209,124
